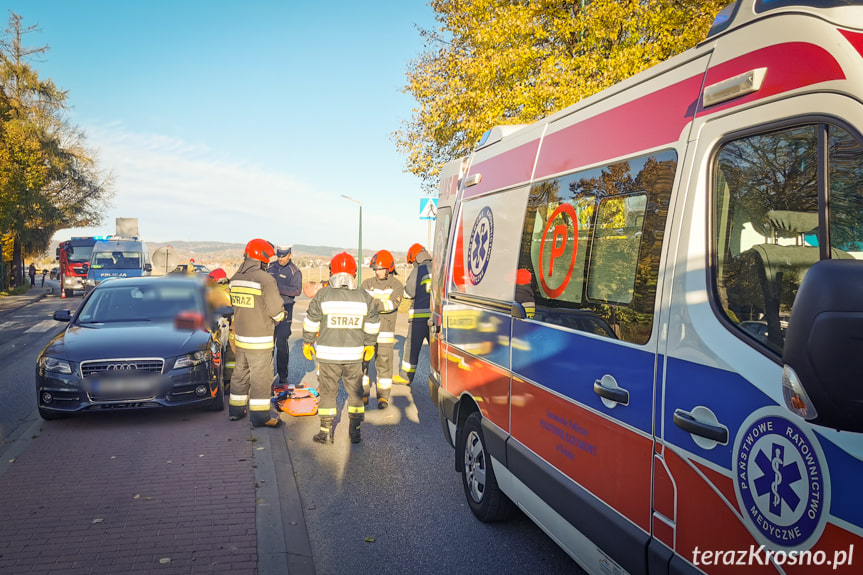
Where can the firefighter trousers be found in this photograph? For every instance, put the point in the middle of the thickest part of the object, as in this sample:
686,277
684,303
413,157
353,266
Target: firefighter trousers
383,372
351,375
251,384
418,330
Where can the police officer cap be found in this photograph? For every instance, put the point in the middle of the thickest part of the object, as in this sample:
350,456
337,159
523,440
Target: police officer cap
282,251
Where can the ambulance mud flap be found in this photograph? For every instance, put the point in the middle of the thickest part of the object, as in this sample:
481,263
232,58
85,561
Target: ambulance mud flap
622,541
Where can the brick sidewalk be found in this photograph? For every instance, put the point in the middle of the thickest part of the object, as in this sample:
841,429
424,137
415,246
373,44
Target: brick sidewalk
162,491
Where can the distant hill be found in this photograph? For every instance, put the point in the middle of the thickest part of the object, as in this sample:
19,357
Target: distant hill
230,255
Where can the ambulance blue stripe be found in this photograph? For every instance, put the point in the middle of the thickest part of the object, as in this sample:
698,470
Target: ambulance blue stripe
569,362
845,473
690,384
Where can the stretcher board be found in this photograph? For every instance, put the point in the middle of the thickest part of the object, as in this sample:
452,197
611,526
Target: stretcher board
297,402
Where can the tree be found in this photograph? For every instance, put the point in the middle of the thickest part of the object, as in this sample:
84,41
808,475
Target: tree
48,178
492,62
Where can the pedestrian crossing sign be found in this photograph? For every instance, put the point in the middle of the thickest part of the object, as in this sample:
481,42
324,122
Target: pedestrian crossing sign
428,208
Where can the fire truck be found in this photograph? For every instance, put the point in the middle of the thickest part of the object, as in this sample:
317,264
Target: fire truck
74,257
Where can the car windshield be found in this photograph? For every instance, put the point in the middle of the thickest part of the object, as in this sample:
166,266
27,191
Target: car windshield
124,303
116,260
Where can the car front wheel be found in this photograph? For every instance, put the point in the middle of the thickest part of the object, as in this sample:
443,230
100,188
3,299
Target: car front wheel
484,497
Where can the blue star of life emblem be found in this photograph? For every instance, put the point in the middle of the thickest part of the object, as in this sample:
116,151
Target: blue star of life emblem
781,480
479,245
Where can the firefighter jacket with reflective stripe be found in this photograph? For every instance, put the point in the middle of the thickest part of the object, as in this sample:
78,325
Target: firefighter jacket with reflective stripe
257,306
345,321
289,278
418,288
388,295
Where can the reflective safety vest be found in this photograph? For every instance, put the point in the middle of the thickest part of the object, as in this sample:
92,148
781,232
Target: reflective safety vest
257,307
343,321
418,288
388,294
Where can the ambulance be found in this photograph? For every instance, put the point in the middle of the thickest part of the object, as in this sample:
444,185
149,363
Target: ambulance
647,308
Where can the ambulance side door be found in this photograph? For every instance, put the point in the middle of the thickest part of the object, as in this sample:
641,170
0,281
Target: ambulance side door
735,469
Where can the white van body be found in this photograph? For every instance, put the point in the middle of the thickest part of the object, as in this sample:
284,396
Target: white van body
611,307
117,257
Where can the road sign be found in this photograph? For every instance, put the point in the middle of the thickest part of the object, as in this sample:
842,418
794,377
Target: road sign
428,208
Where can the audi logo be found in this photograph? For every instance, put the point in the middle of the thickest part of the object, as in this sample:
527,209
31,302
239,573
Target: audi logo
121,367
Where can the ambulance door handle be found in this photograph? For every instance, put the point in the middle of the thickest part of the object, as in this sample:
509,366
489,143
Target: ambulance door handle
687,422
617,395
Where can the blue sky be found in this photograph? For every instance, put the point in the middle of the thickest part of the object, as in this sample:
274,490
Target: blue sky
228,120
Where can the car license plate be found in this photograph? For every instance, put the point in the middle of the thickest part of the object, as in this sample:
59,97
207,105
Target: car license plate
123,385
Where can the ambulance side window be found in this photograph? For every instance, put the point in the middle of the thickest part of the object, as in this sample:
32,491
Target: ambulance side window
768,195
591,246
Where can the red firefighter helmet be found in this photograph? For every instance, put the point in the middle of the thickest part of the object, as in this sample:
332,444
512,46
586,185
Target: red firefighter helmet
383,260
217,275
343,263
413,252
260,250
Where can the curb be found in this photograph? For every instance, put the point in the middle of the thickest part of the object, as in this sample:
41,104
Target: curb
283,540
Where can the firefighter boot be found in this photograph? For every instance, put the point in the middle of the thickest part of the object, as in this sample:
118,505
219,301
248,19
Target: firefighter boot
325,435
354,429
401,380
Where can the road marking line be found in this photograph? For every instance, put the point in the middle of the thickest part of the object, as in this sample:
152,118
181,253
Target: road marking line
44,325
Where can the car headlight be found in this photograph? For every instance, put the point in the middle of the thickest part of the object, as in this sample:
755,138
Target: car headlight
55,365
191,359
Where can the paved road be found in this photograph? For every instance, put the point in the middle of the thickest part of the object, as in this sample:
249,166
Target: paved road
394,503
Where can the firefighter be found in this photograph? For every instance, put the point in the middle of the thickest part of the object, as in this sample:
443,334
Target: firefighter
387,292
289,279
340,327
418,290
219,296
257,309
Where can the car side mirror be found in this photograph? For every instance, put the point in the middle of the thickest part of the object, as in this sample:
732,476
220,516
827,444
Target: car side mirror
62,315
86,267
148,268
823,352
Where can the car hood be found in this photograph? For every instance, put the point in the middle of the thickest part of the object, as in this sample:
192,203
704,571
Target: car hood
100,341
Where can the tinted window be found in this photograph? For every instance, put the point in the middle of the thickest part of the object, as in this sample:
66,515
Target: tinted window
120,302
769,198
591,245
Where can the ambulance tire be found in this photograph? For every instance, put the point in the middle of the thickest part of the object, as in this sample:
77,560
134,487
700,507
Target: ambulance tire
484,497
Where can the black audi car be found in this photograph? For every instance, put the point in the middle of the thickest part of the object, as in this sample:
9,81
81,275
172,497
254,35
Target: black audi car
134,343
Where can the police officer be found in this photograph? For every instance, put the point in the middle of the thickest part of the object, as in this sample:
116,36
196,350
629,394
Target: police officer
341,327
418,290
289,279
387,292
257,309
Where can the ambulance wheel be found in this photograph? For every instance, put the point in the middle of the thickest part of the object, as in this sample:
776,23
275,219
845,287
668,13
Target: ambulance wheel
218,401
484,497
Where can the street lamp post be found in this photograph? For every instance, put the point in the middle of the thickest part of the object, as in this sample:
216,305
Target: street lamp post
360,249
